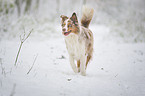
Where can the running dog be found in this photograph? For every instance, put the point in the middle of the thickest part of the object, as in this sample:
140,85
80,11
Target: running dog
79,39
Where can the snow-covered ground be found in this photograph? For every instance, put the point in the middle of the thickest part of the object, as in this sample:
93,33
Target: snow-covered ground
117,68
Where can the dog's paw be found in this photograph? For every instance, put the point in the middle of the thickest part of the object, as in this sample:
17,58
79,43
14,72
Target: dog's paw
75,70
83,73
78,70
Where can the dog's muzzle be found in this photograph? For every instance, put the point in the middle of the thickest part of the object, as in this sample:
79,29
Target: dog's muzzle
67,33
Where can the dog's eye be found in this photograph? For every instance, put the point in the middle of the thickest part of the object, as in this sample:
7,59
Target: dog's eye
69,25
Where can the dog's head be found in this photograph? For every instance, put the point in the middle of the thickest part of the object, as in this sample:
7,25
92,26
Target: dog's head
69,25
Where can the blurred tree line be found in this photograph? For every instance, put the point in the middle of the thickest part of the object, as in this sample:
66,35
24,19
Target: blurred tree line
8,6
125,17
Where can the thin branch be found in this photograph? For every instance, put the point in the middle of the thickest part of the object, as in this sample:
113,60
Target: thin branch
32,64
24,33
28,35
1,83
18,53
22,41
13,90
2,68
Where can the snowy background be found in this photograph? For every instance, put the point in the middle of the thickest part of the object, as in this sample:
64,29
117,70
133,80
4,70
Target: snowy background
43,69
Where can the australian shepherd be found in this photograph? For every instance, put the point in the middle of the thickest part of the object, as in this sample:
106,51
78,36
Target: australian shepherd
78,39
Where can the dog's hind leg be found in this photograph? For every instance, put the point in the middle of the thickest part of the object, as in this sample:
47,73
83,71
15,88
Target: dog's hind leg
83,66
89,55
88,59
73,64
78,65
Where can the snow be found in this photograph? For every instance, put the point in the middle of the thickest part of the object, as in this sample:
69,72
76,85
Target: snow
118,64
117,68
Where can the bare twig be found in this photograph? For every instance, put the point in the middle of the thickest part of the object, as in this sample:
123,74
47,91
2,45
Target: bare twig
18,53
22,41
13,90
1,83
32,64
2,68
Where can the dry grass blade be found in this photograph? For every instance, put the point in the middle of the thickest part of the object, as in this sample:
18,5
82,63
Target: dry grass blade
13,90
32,64
22,41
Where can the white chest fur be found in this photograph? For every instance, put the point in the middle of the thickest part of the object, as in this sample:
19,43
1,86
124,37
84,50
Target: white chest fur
74,46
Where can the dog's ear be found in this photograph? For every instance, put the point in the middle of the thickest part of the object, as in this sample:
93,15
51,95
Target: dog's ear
74,18
63,18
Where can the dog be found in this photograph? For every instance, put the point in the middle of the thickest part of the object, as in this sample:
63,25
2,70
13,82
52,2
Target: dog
79,39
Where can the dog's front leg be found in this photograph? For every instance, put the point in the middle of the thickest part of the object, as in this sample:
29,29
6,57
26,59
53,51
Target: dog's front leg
83,65
73,64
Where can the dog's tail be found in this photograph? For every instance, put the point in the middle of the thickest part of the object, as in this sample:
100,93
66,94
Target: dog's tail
87,14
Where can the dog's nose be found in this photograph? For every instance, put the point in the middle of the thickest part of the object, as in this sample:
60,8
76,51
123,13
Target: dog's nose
63,29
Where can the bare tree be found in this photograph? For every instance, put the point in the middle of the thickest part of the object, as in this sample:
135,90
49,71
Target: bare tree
28,6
